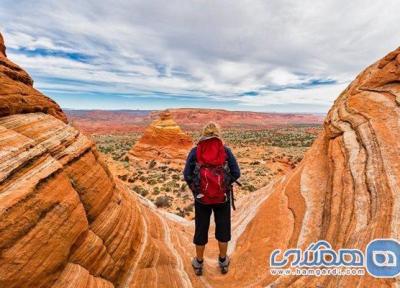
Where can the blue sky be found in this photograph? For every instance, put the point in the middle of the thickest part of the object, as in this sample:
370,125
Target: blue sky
276,56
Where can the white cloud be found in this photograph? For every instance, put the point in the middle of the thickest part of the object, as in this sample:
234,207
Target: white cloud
316,96
216,49
280,76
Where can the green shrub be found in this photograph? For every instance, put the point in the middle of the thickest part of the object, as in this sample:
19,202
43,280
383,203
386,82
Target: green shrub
140,190
162,201
156,190
176,177
152,182
183,187
152,164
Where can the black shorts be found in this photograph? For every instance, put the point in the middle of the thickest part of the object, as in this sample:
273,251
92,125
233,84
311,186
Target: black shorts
222,218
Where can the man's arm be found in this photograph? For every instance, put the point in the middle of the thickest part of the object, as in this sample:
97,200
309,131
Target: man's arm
233,165
189,167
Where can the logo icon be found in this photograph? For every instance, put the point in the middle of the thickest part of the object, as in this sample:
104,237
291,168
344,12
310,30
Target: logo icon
383,258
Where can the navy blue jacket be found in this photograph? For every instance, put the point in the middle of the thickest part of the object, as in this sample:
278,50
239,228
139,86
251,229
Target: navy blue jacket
191,165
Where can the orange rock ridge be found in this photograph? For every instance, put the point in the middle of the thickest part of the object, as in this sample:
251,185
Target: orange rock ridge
345,190
66,222
18,95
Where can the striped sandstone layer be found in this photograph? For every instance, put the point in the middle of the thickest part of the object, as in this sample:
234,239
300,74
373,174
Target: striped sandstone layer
64,220
345,191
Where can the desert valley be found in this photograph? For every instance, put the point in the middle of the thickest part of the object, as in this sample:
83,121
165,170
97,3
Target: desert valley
267,145
81,211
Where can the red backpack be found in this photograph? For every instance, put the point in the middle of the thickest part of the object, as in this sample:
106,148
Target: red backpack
211,172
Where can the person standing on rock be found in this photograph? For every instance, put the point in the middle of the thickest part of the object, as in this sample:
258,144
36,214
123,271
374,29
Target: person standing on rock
210,170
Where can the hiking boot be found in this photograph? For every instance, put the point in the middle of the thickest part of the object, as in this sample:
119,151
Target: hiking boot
197,266
223,265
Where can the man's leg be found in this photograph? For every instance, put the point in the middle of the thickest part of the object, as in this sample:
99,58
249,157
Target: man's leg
223,247
222,217
200,252
202,224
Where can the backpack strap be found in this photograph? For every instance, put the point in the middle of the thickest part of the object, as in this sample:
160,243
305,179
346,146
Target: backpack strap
230,184
232,198
196,178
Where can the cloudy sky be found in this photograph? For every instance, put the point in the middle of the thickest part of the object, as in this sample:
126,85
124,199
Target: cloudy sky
276,55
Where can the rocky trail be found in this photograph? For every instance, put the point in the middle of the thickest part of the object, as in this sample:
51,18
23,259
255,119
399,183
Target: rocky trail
65,221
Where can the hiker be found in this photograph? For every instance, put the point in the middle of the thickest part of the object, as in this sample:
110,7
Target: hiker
210,171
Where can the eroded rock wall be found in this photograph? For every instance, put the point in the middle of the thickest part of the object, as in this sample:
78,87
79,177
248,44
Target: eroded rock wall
64,220
346,189
17,94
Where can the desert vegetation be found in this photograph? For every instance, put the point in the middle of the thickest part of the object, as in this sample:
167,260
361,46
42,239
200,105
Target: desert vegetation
116,145
263,155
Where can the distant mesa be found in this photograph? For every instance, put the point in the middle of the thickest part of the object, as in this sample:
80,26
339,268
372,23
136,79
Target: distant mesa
189,119
163,140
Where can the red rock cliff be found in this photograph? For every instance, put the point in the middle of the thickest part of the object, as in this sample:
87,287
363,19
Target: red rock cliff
346,189
64,220
18,95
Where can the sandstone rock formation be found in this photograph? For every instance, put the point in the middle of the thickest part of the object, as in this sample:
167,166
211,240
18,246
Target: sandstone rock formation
163,140
2,46
17,93
346,190
66,222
